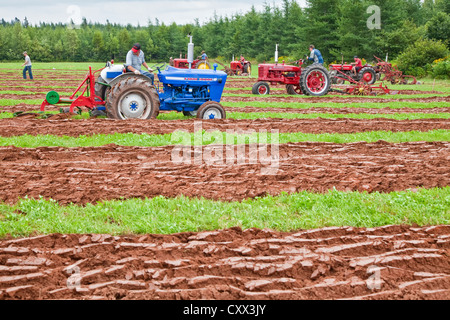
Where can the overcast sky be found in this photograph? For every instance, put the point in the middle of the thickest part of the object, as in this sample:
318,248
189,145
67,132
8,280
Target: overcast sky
124,12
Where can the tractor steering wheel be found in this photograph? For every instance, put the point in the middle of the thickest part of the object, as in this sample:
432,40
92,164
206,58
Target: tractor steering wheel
159,66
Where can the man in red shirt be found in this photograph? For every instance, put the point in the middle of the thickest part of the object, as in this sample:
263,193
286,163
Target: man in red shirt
357,65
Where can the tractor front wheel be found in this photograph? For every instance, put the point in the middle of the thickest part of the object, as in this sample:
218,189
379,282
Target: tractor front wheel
367,75
315,80
211,110
133,98
261,88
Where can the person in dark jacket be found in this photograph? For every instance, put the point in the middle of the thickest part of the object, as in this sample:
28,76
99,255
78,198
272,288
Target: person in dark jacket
315,55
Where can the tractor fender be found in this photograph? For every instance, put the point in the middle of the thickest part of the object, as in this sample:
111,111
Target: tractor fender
126,76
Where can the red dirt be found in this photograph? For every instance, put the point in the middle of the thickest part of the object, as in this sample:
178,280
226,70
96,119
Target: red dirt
82,175
71,127
391,262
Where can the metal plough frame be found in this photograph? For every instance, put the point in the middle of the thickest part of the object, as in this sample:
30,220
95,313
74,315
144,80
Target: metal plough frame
360,88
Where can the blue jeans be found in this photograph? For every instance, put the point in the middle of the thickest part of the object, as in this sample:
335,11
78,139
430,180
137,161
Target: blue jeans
29,72
149,75
145,73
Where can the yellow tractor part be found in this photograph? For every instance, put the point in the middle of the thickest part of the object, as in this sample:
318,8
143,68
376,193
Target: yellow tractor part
203,65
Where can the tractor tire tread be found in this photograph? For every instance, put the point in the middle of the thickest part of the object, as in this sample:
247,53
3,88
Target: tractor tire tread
304,75
125,85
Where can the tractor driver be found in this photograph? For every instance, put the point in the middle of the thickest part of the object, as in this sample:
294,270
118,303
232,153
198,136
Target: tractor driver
204,56
315,56
242,60
135,58
357,65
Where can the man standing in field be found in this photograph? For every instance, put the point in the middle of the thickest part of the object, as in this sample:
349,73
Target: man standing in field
315,56
27,65
135,59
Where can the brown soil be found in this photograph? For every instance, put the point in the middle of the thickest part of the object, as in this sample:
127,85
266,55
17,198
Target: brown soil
71,127
82,175
391,262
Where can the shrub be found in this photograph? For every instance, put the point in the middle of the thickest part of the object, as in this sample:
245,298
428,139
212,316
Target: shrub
441,68
418,57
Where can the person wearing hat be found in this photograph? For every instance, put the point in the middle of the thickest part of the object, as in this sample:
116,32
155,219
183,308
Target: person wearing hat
315,55
27,65
204,55
357,65
135,59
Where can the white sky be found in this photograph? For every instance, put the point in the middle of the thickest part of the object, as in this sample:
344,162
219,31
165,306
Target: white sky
124,12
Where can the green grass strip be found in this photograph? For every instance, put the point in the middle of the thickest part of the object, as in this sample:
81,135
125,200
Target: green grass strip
401,116
21,93
216,137
365,105
285,212
15,102
386,97
41,87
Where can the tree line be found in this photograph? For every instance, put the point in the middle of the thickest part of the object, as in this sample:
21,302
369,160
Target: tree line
338,28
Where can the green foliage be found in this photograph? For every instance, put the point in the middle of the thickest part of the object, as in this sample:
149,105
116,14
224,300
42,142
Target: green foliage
333,26
438,28
416,60
441,68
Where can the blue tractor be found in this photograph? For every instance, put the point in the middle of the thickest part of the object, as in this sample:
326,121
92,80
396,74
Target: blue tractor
195,92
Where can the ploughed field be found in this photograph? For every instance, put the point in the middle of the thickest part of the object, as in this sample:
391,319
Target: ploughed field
370,145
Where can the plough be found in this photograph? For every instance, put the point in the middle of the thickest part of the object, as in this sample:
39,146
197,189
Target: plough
360,88
392,74
87,98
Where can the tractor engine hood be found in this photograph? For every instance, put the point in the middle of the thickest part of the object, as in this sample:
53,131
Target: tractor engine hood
195,77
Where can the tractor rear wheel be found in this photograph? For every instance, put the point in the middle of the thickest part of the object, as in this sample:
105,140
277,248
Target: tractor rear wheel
203,64
133,98
367,75
261,88
100,89
293,89
248,68
211,110
315,80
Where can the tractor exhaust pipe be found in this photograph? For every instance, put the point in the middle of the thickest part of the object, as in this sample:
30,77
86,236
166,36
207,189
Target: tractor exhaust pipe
190,51
276,54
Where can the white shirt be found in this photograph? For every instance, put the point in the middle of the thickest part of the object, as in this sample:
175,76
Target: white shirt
27,61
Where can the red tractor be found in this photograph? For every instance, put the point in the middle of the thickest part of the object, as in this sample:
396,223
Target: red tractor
239,68
196,64
313,80
367,74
